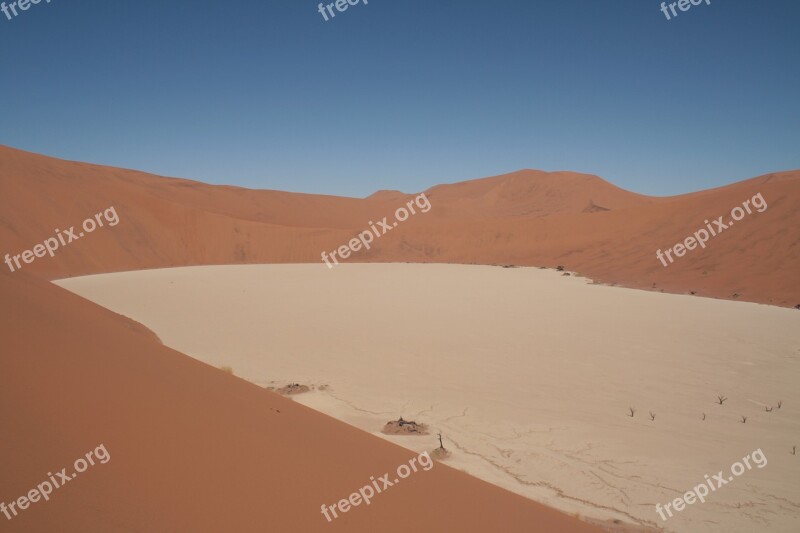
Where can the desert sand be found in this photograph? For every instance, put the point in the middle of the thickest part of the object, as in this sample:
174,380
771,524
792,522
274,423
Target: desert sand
529,217
527,373
529,382
193,448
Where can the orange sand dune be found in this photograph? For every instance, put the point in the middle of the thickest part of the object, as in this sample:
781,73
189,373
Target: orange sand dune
758,259
525,218
192,448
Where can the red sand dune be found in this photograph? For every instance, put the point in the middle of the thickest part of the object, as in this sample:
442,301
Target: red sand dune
524,218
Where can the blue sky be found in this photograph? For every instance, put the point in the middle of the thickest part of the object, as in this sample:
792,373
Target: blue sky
405,94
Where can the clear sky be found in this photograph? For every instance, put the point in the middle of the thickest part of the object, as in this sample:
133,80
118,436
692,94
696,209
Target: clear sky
405,94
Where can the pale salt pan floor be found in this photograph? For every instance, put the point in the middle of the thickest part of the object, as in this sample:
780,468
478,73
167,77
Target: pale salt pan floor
527,373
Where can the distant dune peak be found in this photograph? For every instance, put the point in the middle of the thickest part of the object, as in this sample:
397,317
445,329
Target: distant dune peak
386,194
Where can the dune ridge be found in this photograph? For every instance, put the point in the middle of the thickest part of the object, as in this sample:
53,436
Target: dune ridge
529,218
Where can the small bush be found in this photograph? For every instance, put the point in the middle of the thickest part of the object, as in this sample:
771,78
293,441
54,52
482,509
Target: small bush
227,369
